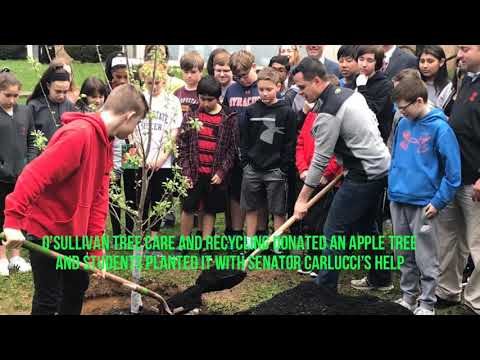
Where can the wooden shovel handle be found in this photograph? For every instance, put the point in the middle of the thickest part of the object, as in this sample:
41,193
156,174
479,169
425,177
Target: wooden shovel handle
124,282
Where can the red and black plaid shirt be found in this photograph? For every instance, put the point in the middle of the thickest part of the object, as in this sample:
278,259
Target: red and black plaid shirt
227,143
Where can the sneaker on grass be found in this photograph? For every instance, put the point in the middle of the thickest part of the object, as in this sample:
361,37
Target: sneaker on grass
363,284
406,305
20,264
303,272
423,311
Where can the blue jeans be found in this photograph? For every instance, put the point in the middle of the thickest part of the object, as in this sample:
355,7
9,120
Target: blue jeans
353,211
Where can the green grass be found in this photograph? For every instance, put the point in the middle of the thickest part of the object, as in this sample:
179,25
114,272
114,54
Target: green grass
16,291
29,78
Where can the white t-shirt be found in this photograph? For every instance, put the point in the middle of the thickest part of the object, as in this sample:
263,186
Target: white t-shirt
168,116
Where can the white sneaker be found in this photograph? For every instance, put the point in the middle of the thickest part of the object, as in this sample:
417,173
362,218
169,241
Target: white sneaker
20,264
4,267
423,311
303,272
363,284
406,305
313,274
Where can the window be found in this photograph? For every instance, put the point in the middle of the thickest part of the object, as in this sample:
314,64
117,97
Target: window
204,50
263,53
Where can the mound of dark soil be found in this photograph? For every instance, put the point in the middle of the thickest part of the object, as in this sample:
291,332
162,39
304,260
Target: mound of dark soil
311,299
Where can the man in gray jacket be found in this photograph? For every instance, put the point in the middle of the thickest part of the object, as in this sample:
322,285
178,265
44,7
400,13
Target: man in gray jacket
345,126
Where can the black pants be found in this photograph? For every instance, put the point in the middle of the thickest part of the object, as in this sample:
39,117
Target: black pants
354,210
130,196
56,291
116,212
5,189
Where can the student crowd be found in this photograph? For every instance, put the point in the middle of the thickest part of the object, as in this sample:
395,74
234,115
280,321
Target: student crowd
405,135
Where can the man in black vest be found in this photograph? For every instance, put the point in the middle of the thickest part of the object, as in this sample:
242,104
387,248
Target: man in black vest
459,221
346,127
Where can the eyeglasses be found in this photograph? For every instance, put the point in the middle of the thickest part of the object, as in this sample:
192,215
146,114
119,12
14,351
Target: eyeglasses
403,108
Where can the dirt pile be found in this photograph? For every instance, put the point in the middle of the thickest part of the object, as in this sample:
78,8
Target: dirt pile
310,299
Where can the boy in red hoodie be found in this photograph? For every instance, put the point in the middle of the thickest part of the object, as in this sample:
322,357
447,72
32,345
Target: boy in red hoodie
314,220
65,192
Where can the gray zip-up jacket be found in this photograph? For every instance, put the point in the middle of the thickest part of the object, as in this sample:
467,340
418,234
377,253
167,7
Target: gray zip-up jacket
42,117
345,126
16,142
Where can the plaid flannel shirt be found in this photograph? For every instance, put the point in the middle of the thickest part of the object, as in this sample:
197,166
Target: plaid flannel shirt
228,143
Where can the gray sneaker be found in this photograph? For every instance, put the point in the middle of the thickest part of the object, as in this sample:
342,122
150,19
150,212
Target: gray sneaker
363,284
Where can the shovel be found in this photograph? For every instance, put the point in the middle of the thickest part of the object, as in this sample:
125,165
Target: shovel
216,280
124,282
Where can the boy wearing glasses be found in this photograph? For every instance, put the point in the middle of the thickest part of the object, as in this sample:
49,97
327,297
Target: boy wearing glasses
206,157
281,64
222,72
424,176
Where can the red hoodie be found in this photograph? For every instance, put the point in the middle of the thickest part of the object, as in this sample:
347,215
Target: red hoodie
64,191
306,148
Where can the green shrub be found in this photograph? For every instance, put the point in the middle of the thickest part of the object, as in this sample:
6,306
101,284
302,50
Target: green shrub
13,52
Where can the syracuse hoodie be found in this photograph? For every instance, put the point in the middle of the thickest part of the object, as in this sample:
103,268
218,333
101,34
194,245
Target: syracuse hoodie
64,191
425,165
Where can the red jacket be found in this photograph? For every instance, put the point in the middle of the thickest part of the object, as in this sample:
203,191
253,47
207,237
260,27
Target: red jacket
306,148
64,191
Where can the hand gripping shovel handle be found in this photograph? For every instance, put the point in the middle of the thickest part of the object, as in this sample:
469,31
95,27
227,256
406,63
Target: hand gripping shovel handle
286,225
124,282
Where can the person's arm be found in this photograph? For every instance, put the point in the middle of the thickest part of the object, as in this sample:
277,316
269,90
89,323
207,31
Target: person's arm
31,149
290,139
300,153
244,138
231,136
54,165
449,152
